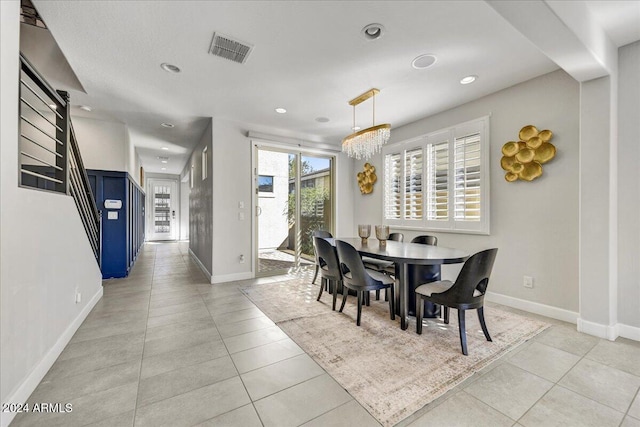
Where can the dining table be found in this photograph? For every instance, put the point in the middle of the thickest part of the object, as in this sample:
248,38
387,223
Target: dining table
403,255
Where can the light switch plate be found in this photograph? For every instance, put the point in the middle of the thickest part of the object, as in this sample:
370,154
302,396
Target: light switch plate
112,215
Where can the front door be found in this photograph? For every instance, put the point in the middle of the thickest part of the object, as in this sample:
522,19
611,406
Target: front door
163,207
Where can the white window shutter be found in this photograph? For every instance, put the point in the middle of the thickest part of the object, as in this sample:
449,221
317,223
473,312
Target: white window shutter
467,179
392,190
413,196
438,181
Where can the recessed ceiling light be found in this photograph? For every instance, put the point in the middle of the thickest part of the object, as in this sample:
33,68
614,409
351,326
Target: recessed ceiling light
165,148
322,119
85,108
424,61
167,125
164,161
170,68
164,169
280,110
355,128
469,79
373,31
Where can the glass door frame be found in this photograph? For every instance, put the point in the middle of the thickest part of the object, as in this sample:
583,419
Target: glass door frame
174,199
299,152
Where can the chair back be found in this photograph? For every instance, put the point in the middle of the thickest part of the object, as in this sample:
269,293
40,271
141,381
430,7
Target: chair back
321,233
397,237
351,266
473,276
327,259
425,240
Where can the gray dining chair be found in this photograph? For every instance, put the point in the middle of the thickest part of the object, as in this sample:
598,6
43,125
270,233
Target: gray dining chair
386,267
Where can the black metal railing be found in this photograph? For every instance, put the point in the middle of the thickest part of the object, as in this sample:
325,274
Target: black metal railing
49,156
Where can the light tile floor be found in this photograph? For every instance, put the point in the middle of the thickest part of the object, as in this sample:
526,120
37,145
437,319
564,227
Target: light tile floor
165,348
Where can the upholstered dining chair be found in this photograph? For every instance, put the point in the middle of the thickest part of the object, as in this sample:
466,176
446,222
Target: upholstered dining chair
466,293
381,265
318,233
330,273
359,279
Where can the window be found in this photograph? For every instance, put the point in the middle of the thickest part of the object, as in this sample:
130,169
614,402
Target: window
440,181
265,184
205,163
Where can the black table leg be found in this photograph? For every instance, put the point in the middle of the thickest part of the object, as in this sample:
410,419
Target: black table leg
404,289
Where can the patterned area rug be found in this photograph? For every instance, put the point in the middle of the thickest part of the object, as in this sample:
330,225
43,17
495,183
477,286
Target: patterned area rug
410,370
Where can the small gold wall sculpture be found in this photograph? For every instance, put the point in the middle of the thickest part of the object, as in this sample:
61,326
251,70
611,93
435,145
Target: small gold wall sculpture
367,178
524,159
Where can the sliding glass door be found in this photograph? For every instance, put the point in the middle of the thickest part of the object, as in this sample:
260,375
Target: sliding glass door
293,197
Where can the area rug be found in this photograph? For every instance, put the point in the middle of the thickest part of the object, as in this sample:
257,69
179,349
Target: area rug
391,372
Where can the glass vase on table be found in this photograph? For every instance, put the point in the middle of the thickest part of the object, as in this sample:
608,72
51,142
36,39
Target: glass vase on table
364,231
382,234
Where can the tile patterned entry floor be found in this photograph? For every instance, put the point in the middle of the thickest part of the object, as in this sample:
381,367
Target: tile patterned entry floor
164,348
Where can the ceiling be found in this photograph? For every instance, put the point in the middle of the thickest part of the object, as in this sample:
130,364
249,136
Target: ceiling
309,57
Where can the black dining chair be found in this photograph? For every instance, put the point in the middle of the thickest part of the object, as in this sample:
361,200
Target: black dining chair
330,273
318,233
425,240
466,293
359,279
381,265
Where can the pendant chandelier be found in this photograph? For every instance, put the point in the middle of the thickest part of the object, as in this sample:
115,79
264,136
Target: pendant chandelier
367,142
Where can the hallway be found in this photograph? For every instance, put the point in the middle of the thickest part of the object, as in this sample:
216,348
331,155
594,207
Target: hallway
165,348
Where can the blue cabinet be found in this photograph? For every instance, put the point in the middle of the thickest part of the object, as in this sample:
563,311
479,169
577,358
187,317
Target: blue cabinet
121,202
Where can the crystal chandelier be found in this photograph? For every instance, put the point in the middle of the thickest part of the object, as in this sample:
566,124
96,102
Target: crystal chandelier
367,142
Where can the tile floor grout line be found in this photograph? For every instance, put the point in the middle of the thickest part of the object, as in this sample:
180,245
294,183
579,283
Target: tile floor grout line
626,414
135,408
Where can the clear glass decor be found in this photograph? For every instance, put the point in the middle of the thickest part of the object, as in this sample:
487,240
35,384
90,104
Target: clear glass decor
364,231
382,234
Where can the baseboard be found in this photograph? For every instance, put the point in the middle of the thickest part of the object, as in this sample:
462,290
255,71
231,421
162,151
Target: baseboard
534,307
609,332
37,374
231,277
202,267
630,332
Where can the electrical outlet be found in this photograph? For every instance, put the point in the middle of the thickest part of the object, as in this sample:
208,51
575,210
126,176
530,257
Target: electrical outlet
241,259
528,282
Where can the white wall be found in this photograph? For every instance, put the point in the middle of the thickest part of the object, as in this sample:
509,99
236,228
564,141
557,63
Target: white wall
44,252
273,222
534,224
103,144
629,190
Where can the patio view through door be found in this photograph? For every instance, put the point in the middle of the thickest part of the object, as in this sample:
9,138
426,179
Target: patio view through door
293,197
163,207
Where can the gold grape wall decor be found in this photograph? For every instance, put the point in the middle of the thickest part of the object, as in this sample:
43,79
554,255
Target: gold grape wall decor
524,159
367,178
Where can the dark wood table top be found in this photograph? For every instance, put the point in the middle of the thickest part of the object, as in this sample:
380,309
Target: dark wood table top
408,253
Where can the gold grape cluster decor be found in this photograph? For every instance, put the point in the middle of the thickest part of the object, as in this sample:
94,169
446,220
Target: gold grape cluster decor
524,159
367,178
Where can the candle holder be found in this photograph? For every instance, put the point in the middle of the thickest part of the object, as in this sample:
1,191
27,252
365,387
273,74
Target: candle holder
364,231
382,234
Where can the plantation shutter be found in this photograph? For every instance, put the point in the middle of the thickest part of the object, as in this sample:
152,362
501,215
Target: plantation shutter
392,191
413,184
467,162
438,181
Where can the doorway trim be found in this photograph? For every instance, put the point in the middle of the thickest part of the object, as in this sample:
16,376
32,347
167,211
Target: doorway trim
257,144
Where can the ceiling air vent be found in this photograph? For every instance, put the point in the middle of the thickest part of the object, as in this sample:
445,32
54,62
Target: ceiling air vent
228,48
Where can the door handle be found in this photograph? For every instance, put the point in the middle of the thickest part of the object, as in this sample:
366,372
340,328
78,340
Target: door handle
173,214
258,211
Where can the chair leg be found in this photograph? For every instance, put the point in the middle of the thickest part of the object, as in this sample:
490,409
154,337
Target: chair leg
321,288
360,298
484,325
446,315
419,314
335,294
345,291
463,333
367,298
315,275
386,293
377,294
392,313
